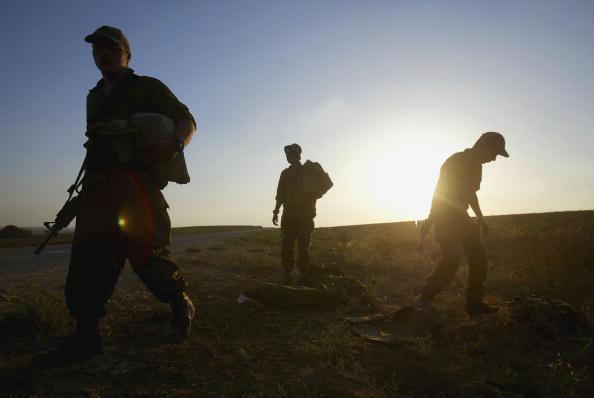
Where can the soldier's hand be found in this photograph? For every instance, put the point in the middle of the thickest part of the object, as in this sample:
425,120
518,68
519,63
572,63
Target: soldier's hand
67,213
158,150
60,223
275,219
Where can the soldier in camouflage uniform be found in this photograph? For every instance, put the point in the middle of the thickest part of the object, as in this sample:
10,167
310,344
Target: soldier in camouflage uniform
123,214
459,180
297,222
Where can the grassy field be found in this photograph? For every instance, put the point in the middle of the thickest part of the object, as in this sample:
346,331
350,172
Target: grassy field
251,350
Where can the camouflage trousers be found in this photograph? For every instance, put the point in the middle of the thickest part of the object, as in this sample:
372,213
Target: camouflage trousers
120,218
457,236
296,228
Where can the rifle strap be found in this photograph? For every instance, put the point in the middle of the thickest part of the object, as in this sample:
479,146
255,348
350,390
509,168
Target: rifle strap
78,182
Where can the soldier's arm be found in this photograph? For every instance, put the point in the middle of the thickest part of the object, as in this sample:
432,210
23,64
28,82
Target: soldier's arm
167,103
275,213
280,197
280,192
166,149
476,208
277,206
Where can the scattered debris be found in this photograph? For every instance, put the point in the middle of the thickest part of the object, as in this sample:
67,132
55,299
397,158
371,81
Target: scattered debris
325,287
244,299
284,296
317,273
332,292
550,318
402,323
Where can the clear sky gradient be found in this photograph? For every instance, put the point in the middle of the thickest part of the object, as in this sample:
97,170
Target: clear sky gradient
380,93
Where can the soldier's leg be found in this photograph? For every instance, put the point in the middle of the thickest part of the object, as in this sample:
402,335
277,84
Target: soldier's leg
162,276
445,269
146,247
306,227
477,273
92,275
96,259
477,268
96,262
146,237
95,267
288,237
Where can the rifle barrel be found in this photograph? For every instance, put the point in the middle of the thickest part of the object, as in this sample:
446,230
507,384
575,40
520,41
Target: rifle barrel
45,242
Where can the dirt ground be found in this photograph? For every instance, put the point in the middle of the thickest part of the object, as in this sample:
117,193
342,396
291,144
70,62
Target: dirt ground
256,351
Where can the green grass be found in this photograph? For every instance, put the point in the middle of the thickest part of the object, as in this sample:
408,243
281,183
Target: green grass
255,351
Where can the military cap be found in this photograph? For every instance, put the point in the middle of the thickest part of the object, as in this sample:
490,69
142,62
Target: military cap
493,140
110,33
293,148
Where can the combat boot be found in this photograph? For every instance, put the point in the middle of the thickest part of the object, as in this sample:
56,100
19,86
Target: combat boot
478,308
475,305
182,314
285,277
84,344
421,301
304,275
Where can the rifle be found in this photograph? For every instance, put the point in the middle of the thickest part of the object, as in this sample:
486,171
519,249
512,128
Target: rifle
66,214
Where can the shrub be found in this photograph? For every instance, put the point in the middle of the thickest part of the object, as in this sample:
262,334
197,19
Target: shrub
13,232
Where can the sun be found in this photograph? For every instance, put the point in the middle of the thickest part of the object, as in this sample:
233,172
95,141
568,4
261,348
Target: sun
401,181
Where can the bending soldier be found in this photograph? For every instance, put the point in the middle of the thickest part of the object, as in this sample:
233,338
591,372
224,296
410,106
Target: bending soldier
459,180
122,214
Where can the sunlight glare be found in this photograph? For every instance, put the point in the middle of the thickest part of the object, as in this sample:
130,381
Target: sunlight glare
402,180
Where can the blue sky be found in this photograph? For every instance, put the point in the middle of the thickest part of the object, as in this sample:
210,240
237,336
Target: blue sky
380,93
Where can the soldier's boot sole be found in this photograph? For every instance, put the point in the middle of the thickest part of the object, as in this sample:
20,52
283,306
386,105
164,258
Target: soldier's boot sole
285,278
421,301
183,313
478,309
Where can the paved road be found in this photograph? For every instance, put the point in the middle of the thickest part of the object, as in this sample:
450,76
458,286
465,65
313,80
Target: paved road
20,260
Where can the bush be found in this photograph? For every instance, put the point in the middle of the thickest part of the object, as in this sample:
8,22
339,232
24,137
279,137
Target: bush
13,232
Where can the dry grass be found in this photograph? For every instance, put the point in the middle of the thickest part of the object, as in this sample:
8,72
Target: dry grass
66,235
34,240
204,229
251,350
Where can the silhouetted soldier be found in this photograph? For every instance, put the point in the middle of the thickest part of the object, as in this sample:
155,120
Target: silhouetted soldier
122,214
299,211
459,180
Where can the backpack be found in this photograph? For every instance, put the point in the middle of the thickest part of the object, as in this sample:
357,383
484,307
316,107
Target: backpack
314,180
